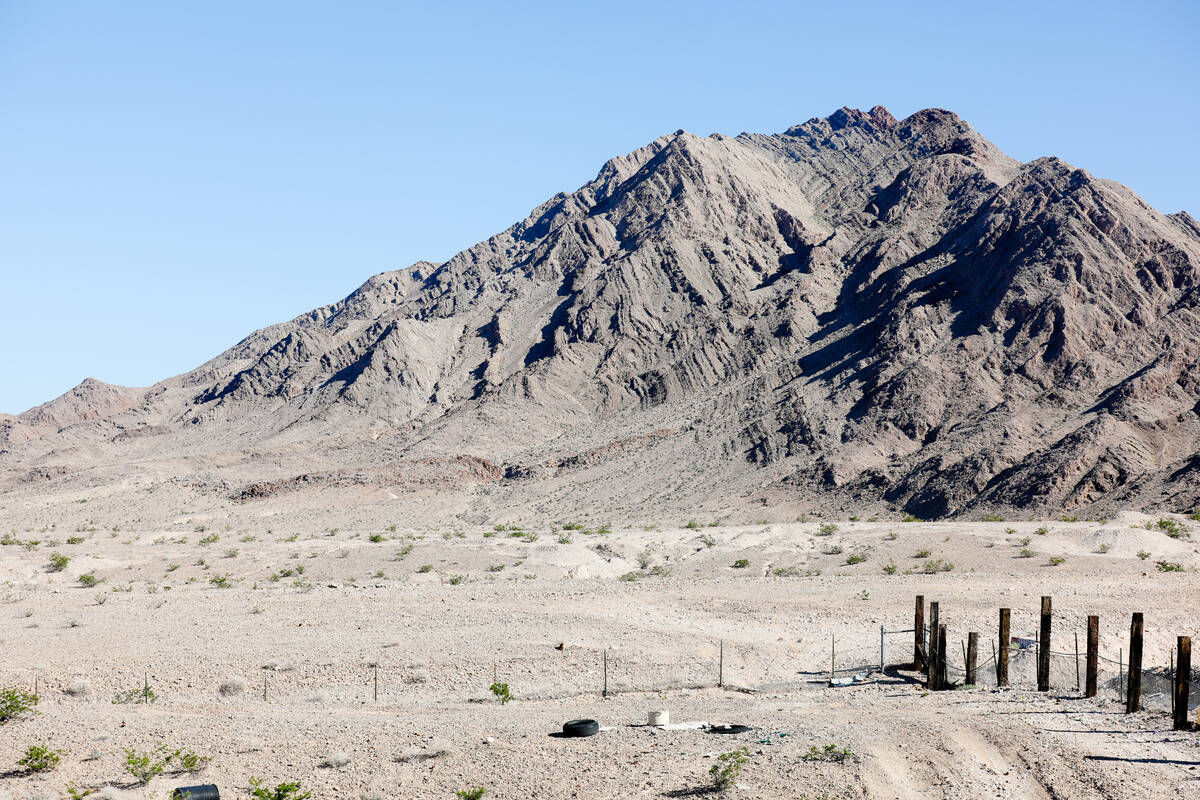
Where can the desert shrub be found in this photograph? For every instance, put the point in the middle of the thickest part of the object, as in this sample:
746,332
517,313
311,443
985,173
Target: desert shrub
565,538
937,565
58,562
728,768
88,580
210,539
1056,561
578,526
80,688
425,568
910,518
1172,528
74,540
455,580
496,568
145,766
992,518
14,703
231,687
891,536
889,568
741,563
143,694
1169,566
631,577
179,761
1104,548
75,793
501,691
923,554
1042,531
1027,553
785,572
693,525
1025,540
855,558
470,794
827,529
707,540
289,790
644,558
659,571
220,581
336,760
39,759
830,752
1143,555
375,537
833,550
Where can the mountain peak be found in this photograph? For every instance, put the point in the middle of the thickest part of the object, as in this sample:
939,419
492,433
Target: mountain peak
859,312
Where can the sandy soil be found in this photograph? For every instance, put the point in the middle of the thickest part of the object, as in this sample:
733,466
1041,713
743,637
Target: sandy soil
308,616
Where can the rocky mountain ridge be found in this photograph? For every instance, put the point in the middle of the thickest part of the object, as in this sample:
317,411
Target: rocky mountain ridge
858,312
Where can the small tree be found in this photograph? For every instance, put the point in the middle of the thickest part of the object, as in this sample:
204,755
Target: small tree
14,703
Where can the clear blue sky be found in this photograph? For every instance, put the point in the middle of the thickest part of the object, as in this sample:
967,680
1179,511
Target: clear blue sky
174,175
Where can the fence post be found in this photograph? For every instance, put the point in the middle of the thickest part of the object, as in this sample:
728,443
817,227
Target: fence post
1093,655
1002,653
931,673
972,655
1133,698
832,657
919,635
1183,680
1043,678
880,649
941,657
604,691
721,665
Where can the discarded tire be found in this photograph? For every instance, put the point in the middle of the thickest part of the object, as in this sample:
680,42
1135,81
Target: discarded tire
207,791
581,727
728,728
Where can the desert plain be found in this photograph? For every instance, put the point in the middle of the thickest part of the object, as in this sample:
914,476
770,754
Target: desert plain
358,660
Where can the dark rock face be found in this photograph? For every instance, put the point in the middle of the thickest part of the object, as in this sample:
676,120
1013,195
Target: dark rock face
858,311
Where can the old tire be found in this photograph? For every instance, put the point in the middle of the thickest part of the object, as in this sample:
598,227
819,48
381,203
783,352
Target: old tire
581,727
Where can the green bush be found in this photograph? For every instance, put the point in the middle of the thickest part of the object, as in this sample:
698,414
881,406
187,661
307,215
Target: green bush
88,580
501,691
145,766
40,759
1056,560
1169,566
741,563
284,791
14,703
1143,555
470,794
58,562
728,768
855,558
375,537
827,529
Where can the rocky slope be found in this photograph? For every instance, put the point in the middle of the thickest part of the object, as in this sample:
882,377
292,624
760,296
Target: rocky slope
857,313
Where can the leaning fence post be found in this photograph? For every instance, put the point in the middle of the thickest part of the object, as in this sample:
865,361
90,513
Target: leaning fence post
604,691
1133,697
972,655
1043,678
919,635
1002,653
1093,653
832,657
1183,679
880,649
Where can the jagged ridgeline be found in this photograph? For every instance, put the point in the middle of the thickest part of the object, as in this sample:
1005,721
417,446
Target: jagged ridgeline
858,312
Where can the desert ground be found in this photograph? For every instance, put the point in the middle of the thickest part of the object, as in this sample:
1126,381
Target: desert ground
359,660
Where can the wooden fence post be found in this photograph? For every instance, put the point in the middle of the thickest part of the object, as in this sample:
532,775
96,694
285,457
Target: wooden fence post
604,691
919,635
1183,680
1003,644
931,652
972,656
1043,677
721,665
1133,697
1093,655
941,657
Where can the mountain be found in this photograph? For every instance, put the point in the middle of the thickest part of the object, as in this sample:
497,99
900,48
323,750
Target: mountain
858,313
